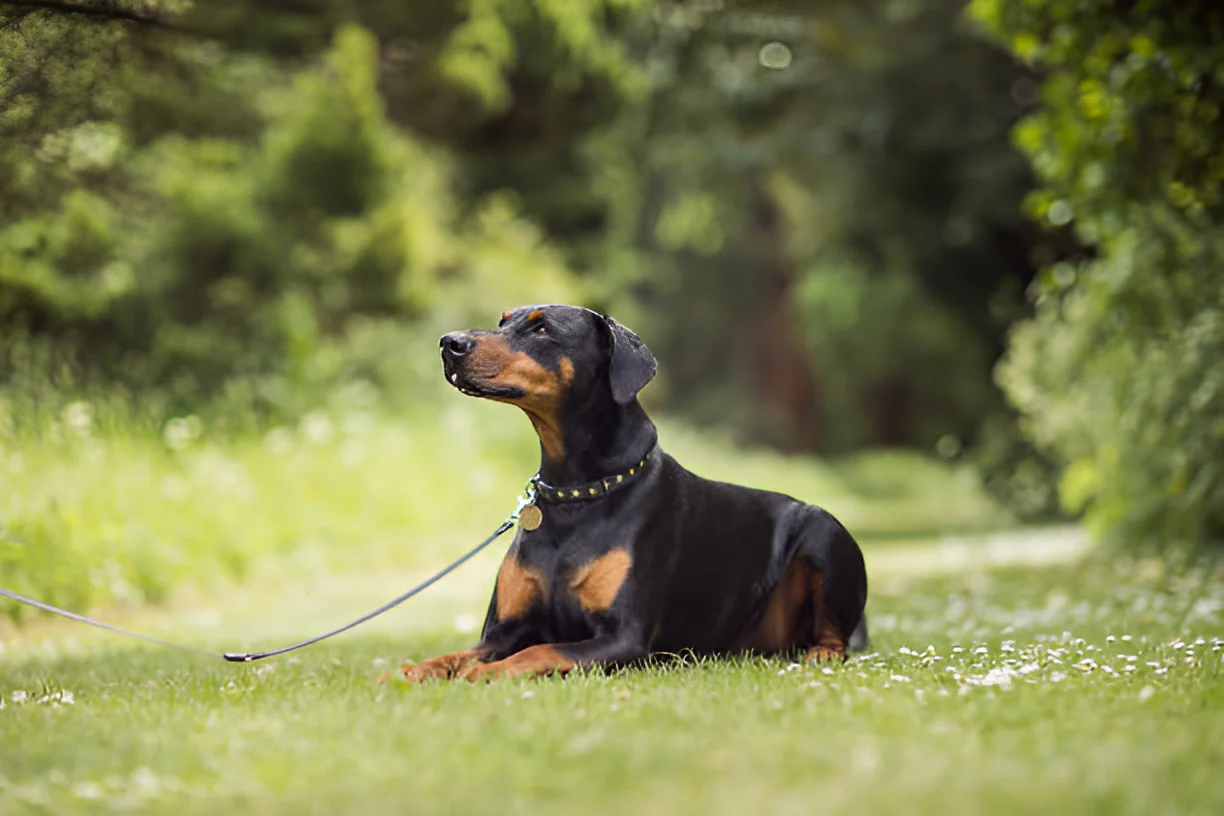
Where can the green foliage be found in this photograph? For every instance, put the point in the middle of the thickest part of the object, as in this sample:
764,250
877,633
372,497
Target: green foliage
910,332
1119,372
1017,472
483,52
1120,375
203,259
1131,107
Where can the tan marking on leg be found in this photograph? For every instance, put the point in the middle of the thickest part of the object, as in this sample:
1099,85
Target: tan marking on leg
519,588
543,659
780,627
596,584
443,667
830,645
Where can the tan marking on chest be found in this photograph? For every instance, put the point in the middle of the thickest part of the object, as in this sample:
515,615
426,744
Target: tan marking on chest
596,584
519,588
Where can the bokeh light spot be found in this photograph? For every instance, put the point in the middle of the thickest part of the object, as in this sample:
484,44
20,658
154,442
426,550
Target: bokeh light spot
775,55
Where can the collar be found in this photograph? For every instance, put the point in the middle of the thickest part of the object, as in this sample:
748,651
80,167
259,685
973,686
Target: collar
593,490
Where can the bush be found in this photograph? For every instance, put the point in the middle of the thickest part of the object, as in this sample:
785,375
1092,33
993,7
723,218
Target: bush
1119,371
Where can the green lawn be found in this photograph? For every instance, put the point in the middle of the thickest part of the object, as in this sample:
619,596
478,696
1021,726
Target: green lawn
1062,688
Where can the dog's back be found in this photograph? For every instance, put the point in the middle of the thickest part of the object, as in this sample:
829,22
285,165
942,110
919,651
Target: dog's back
730,549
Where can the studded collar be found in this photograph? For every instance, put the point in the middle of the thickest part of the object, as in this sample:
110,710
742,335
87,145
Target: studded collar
593,490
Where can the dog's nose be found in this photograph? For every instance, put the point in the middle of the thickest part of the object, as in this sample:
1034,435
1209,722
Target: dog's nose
457,343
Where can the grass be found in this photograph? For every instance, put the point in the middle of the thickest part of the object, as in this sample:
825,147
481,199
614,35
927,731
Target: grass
1084,688
1008,674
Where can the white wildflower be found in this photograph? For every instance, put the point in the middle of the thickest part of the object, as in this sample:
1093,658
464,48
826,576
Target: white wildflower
317,428
182,431
87,790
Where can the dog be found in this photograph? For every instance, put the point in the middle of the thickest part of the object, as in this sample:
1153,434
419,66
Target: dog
625,555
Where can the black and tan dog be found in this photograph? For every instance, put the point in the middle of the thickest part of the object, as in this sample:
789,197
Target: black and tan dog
626,554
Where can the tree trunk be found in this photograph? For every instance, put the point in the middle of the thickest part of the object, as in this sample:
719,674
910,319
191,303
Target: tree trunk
783,371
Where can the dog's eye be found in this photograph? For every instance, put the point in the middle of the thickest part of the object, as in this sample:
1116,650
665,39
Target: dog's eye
541,329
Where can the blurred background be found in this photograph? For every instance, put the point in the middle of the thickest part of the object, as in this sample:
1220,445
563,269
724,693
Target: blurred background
942,268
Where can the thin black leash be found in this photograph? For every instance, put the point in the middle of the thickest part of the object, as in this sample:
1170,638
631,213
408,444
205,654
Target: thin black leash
249,657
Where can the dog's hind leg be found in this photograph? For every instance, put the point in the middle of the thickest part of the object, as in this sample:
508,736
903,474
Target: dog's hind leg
837,587
830,643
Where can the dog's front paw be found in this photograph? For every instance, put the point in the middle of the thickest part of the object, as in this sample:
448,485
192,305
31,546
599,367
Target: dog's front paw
482,672
439,668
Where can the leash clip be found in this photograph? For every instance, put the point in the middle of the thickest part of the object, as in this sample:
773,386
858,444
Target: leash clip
526,500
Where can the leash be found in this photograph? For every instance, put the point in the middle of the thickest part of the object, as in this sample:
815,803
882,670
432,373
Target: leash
526,500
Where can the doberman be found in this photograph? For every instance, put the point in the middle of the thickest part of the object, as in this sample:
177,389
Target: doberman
625,554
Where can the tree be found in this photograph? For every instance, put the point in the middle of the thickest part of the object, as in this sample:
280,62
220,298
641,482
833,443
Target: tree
848,253
192,196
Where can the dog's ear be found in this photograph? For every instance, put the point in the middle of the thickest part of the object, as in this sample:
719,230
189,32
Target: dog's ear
631,365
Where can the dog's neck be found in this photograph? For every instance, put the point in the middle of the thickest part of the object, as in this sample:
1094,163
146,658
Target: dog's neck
599,440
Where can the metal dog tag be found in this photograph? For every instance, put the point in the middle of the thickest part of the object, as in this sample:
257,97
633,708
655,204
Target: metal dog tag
530,518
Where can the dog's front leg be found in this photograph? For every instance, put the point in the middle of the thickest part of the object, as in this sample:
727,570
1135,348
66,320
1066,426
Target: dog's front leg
442,667
547,658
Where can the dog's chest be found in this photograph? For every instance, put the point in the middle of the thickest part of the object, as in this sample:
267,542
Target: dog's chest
575,582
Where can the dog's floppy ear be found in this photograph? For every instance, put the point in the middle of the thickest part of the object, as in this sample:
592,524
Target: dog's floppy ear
631,365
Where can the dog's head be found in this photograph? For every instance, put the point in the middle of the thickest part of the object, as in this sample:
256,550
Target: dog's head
543,358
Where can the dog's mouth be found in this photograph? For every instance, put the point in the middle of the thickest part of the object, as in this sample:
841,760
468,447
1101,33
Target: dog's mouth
463,382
